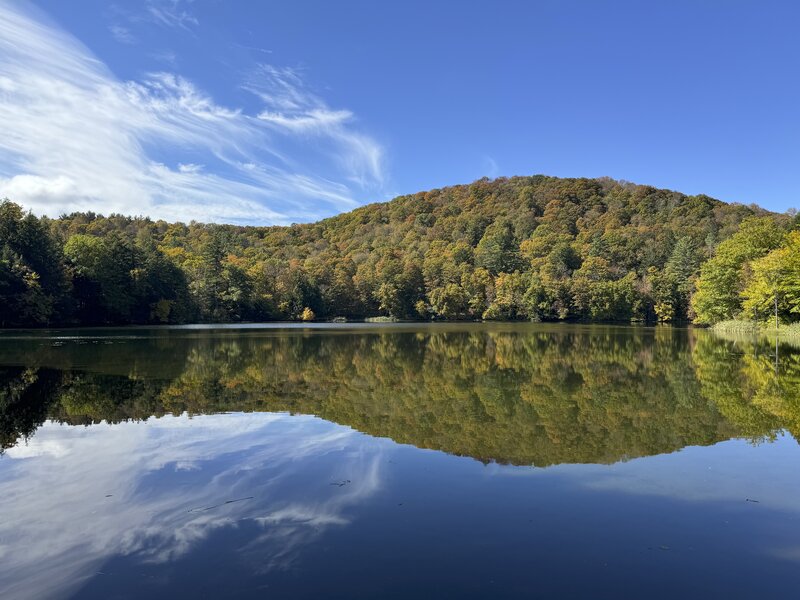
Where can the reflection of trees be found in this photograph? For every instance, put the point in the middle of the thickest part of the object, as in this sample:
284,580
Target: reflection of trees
89,397
519,395
777,393
740,377
26,395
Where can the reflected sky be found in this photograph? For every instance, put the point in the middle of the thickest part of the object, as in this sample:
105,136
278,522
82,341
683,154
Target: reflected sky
152,491
263,504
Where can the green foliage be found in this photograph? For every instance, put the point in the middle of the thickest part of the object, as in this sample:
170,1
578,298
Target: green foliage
722,278
775,278
23,300
116,281
498,250
34,286
509,298
673,286
538,248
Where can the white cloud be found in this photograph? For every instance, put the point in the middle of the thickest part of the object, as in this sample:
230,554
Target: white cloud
73,137
189,168
315,120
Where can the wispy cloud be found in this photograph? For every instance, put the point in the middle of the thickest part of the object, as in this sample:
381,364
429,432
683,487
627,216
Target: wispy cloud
122,34
490,167
290,108
73,137
170,13
166,57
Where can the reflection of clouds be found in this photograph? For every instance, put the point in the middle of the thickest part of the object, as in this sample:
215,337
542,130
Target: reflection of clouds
791,553
54,448
74,496
788,553
730,471
725,476
287,529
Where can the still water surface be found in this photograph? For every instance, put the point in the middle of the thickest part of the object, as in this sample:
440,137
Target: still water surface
398,461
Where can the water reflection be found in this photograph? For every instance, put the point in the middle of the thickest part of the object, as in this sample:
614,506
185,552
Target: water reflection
523,395
181,463
153,494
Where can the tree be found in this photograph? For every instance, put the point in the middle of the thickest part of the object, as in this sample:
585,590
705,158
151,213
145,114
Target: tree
721,281
88,261
399,286
674,284
599,296
449,301
103,270
32,258
509,300
22,300
478,286
774,283
498,251
162,292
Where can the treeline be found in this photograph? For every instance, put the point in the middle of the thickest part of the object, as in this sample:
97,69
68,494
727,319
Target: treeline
537,248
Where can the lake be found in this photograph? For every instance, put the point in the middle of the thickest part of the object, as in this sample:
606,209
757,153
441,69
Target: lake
398,461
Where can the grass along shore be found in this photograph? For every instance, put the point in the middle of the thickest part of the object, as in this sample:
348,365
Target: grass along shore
738,327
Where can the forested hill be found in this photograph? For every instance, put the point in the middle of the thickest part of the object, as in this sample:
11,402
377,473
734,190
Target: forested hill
510,248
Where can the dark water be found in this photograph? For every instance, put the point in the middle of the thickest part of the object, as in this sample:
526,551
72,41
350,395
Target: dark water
441,461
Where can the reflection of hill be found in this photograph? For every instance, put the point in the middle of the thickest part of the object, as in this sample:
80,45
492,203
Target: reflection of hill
521,395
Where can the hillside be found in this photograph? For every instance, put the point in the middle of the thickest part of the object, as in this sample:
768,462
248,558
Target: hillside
511,248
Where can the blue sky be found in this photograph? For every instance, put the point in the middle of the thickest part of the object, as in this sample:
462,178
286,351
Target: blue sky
268,112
